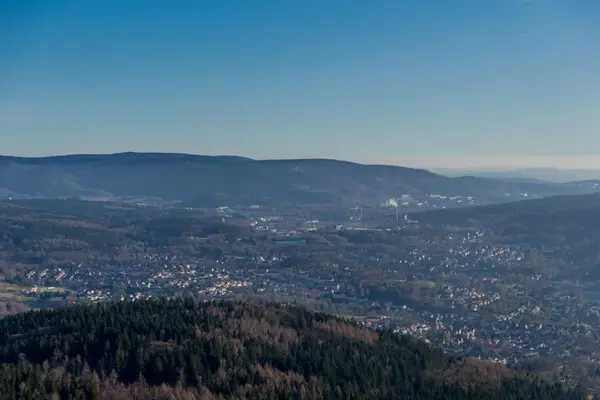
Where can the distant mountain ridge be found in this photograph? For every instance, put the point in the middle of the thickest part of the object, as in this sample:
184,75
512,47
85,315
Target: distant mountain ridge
556,175
228,180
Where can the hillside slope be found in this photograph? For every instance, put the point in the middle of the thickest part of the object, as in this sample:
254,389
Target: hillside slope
211,181
560,227
182,349
549,209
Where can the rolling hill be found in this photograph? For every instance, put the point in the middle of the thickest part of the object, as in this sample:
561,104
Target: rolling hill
565,228
181,349
208,181
551,209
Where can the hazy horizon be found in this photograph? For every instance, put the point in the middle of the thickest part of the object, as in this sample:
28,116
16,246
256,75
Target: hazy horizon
463,84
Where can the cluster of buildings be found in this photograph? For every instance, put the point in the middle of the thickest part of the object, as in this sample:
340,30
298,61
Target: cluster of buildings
471,297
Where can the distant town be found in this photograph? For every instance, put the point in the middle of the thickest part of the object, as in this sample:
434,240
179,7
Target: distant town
463,293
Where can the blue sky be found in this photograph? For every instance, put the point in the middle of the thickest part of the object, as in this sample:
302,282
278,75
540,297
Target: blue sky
428,83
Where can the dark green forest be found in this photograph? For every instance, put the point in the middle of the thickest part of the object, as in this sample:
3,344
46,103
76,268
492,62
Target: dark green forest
182,349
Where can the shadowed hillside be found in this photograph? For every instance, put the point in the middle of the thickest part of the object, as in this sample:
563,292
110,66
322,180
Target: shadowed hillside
224,180
562,228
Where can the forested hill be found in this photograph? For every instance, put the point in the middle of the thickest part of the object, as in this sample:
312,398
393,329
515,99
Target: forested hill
180,349
207,181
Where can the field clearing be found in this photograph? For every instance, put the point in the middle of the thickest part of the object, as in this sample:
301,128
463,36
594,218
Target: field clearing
10,296
12,292
10,287
9,290
21,298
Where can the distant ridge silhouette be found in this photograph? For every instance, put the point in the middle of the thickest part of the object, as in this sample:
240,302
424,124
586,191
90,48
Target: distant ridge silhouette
228,180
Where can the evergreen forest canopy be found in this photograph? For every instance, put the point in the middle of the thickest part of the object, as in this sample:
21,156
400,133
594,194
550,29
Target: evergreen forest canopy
182,349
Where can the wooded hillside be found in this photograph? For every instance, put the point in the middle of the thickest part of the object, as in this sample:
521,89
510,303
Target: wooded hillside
181,349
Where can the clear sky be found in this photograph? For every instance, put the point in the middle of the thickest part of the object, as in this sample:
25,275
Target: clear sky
438,83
